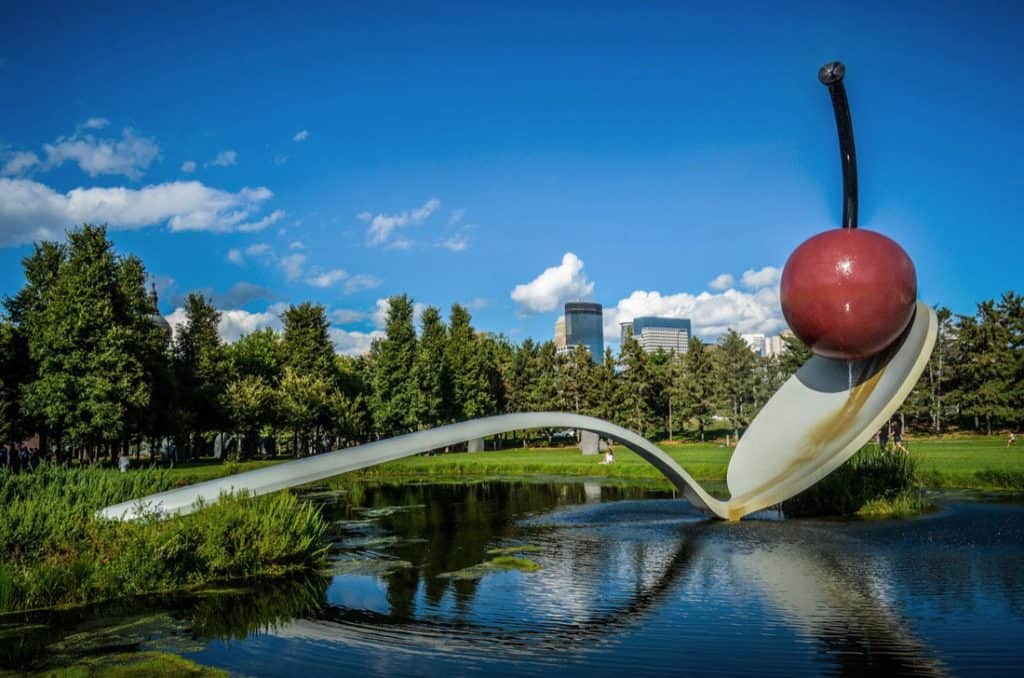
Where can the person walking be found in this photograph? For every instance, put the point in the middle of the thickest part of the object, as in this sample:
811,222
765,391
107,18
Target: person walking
883,437
896,428
1011,439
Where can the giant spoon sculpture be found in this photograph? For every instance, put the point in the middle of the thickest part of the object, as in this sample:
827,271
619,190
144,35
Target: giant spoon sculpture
848,293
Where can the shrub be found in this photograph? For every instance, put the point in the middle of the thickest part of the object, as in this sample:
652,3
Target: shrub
869,476
55,550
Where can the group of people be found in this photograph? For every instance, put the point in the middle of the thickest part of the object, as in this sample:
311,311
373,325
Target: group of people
19,457
892,430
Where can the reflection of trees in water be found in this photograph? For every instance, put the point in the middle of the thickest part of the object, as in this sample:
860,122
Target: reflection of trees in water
454,528
46,639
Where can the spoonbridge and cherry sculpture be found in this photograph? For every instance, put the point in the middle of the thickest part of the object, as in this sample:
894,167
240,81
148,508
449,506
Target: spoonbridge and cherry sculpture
848,293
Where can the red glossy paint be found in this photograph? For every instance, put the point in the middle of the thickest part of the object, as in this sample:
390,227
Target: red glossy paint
848,293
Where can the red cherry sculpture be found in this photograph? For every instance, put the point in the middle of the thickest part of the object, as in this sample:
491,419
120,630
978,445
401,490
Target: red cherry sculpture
848,293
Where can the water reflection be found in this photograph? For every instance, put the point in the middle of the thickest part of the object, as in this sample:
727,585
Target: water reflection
629,581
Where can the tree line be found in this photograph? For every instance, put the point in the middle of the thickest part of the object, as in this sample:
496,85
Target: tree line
84,365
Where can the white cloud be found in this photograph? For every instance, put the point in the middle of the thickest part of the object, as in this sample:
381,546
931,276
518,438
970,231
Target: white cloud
767,276
235,257
722,282
19,161
382,225
327,278
129,155
456,243
233,322
224,159
344,316
188,166
259,225
353,343
301,135
292,265
31,211
711,314
361,282
380,313
554,286
296,245
477,304
95,123
456,217
257,249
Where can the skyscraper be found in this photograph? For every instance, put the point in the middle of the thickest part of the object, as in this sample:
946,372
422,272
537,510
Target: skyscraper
669,334
584,326
755,342
560,343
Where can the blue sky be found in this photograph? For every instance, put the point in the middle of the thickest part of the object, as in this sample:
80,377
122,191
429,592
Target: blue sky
458,153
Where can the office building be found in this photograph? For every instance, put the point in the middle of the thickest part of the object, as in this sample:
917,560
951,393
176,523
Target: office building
653,334
560,343
755,342
584,326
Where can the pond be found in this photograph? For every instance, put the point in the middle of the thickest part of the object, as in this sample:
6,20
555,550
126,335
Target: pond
514,578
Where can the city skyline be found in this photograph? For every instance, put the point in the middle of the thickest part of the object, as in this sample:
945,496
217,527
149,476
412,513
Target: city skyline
613,156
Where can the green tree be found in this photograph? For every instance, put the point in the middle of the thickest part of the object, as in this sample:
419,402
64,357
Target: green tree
794,354
638,389
246,401
734,377
260,354
202,370
306,342
90,339
604,397
305,401
393,359
695,387
430,374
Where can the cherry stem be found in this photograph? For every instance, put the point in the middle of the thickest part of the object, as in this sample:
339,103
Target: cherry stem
831,75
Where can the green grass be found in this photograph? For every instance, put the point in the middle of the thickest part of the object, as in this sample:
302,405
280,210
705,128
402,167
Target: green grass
54,550
976,462
871,483
155,664
705,461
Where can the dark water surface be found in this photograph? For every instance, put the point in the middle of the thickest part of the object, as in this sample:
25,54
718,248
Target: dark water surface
630,582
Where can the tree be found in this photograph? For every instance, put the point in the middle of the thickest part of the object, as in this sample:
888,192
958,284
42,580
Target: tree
393,359
260,354
201,369
603,401
794,354
247,400
431,377
734,365
637,389
306,342
695,388
91,341
304,400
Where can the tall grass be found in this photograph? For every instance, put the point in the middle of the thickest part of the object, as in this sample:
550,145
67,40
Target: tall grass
870,483
54,550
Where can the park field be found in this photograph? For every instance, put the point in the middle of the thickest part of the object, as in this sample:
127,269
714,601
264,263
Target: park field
976,462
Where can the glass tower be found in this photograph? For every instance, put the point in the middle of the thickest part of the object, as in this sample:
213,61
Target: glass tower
584,325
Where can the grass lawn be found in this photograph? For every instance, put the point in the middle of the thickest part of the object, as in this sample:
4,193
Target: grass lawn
978,462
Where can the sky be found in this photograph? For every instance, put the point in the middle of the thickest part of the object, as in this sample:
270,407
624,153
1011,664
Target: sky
657,158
